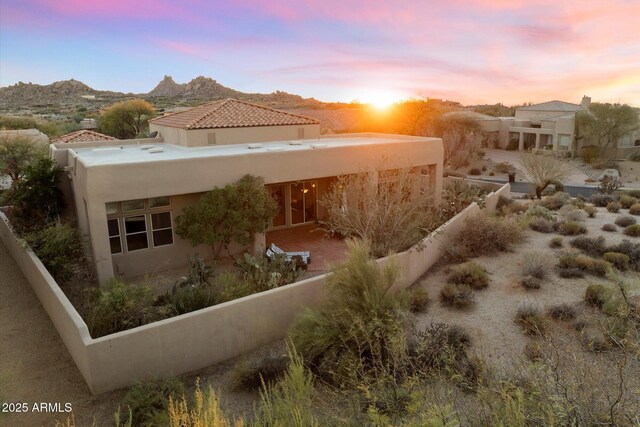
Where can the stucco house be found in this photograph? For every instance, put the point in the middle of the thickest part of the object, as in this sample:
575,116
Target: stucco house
128,193
549,125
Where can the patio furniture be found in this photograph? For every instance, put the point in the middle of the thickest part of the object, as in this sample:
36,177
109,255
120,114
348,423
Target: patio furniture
303,258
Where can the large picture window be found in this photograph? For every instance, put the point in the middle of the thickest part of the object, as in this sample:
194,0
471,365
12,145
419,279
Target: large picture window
161,226
135,228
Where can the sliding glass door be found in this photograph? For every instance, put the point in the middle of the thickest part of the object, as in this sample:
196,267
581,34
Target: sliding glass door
304,195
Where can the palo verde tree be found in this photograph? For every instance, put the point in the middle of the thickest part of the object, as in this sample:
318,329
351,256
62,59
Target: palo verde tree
126,119
603,124
542,171
17,153
234,213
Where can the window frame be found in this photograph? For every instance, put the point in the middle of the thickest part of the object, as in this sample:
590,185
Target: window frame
152,230
119,235
145,232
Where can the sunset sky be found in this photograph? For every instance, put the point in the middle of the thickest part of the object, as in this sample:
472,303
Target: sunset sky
472,51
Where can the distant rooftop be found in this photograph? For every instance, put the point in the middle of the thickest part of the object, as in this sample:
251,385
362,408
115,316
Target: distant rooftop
554,105
122,154
230,113
83,136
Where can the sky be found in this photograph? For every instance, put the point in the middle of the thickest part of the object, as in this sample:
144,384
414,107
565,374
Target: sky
471,51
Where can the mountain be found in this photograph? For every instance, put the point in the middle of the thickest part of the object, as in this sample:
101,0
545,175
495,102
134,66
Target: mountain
167,87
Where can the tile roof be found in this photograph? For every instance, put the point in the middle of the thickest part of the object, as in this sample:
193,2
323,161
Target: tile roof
554,105
230,113
83,136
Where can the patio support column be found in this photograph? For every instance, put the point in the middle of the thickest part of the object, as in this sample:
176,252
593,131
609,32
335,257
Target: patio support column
259,244
537,141
521,141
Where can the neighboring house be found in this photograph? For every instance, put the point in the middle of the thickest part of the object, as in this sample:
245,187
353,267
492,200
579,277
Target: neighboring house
90,124
127,195
83,135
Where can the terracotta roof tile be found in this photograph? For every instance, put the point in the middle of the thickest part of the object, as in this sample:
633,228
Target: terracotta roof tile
83,136
231,113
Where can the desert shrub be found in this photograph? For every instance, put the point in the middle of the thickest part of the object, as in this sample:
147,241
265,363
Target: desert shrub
59,247
536,264
514,208
562,312
503,202
625,221
148,401
635,209
475,171
609,227
470,273
556,242
632,250
359,317
602,200
538,211
264,273
590,210
619,261
634,193
530,282
609,185
594,342
632,230
634,157
541,225
455,295
192,299
571,228
203,409
119,306
597,295
570,273
484,234
572,213
530,320
594,246
418,299
627,201
533,351
555,202
503,167
438,344
596,267
613,207
251,373
230,286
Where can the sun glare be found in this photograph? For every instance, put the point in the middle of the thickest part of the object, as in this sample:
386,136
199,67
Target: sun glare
380,99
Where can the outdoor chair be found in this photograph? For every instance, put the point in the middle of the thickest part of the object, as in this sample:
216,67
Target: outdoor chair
302,258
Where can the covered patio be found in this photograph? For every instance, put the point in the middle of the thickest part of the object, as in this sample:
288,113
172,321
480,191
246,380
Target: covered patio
324,251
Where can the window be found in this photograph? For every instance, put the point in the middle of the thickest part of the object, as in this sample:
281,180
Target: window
133,205
162,229
625,141
112,208
135,228
564,141
114,236
157,202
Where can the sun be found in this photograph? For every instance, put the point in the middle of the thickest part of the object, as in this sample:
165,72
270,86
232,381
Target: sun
380,99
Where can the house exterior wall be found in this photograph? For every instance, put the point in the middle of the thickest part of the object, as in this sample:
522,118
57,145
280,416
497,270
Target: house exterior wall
241,135
96,185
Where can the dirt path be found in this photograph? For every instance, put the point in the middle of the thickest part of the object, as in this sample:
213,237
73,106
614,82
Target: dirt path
34,363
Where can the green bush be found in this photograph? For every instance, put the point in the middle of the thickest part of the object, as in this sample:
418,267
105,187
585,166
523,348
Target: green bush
571,228
539,212
632,230
635,209
230,286
530,320
418,299
556,201
634,157
470,273
609,227
596,267
148,402
570,273
627,201
625,221
632,250
562,312
252,373
455,295
541,225
485,235
556,242
602,200
594,246
613,207
119,306
192,299
263,273
597,295
59,247
619,261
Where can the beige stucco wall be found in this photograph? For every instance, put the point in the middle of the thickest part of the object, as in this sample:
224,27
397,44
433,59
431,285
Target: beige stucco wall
241,135
93,186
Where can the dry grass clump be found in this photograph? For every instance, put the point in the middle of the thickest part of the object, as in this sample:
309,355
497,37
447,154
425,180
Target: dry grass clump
590,210
556,242
536,264
484,234
627,201
602,200
625,221
571,273
458,296
418,299
596,267
635,209
597,295
609,227
632,230
541,225
530,282
570,228
562,312
594,246
556,201
530,320
470,273
613,207
618,260
572,213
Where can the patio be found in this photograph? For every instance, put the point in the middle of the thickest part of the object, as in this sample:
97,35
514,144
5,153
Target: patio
324,251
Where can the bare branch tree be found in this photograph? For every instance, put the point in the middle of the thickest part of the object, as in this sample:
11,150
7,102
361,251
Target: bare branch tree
541,171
